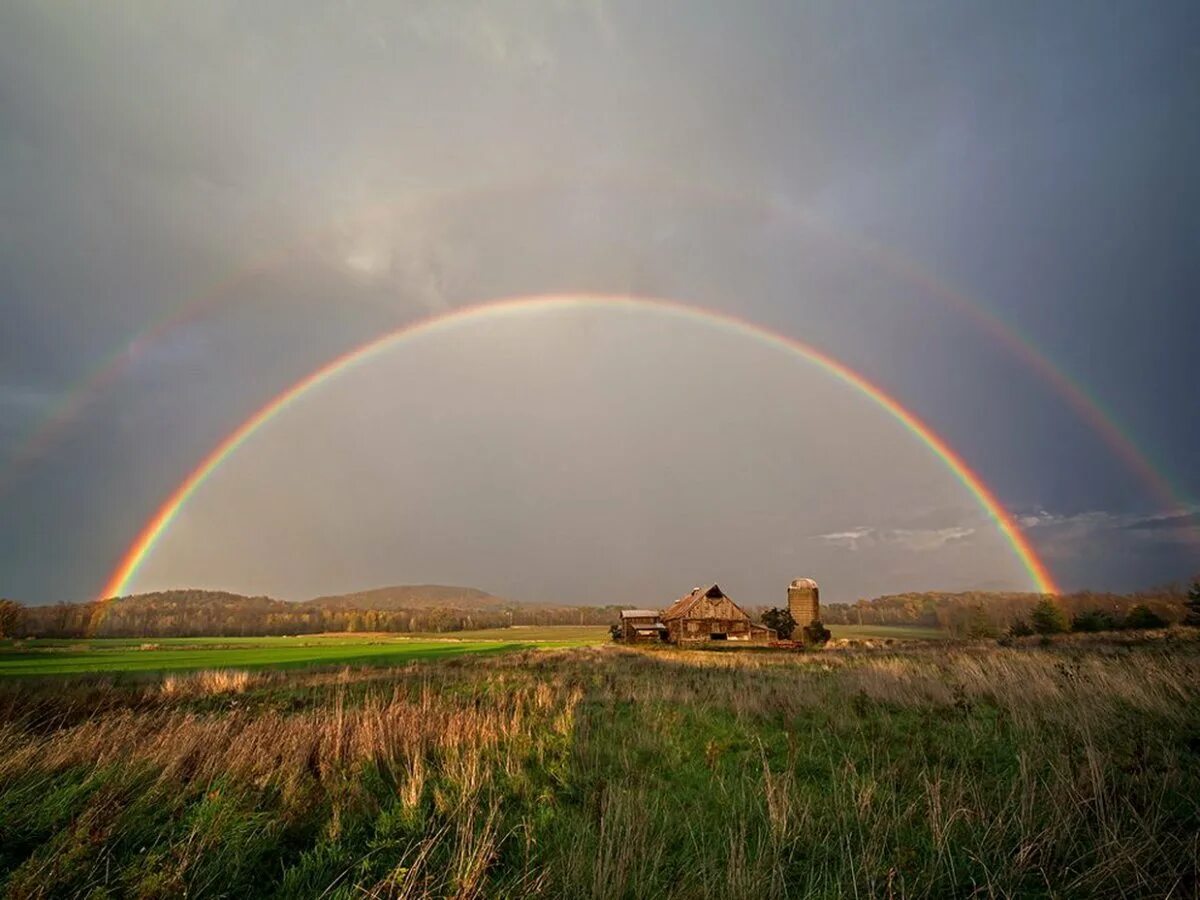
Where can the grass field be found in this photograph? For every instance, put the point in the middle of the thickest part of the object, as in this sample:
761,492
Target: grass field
892,632
925,769
58,657
138,655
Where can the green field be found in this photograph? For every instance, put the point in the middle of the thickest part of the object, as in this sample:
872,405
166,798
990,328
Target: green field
115,655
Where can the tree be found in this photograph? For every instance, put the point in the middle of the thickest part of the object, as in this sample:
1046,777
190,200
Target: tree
781,620
1142,617
12,615
1047,617
979,624
1192,604
816,633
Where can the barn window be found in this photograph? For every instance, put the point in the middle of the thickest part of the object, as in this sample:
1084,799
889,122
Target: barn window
718,636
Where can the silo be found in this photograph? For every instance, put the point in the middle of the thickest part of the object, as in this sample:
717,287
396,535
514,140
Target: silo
804,601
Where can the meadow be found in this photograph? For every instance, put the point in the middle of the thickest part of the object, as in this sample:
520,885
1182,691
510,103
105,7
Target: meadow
114,655
921,769
46,657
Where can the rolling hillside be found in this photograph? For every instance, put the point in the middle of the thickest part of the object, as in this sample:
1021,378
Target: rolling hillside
412,596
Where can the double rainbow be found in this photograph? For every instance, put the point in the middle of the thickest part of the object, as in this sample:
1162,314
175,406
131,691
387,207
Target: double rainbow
119,581
904,270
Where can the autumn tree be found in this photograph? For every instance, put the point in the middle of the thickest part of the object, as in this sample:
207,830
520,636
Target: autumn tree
12,615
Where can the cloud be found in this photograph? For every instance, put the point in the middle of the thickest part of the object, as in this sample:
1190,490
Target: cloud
921,539
515,33
915,539
1065,534
847,540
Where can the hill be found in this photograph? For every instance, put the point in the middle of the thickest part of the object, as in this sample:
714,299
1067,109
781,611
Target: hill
411,596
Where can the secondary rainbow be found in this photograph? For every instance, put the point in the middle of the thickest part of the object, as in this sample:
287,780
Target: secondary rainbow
1087,407
118,582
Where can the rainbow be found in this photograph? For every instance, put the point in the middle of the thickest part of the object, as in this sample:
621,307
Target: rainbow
119,581
1085,406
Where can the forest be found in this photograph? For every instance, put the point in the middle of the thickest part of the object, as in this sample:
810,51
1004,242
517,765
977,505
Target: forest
433,608
200,613
979,613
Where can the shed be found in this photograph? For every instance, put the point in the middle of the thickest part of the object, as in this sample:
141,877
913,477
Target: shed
642,625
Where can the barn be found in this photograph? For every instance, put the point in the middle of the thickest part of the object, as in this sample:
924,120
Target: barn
707,614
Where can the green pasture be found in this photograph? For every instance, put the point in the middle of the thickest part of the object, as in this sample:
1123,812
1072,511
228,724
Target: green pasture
115,655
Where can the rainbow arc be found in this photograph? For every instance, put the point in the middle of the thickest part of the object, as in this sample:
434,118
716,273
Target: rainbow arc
118,583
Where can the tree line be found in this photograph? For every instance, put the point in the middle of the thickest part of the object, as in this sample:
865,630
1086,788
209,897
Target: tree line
196,613
971,613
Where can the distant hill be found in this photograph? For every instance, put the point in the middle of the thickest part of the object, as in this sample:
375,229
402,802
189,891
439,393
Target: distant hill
412,596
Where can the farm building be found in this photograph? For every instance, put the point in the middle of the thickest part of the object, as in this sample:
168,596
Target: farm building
804,601
707,614
641,625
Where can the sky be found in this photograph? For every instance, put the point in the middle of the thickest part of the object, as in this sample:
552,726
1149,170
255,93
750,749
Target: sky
990,211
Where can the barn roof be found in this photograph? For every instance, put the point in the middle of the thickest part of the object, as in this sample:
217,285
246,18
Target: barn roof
684,604
638,613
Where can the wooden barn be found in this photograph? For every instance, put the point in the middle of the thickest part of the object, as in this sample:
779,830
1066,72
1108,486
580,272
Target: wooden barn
642,626
707,614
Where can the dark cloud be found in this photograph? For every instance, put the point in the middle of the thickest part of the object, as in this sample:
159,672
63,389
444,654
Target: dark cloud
285,183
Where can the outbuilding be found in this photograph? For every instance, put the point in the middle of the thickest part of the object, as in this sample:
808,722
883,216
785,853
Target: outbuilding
642,626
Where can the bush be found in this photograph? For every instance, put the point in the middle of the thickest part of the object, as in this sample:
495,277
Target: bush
1192,604
1142,617
782,621
1020,628
816,633
1093,620
1048,618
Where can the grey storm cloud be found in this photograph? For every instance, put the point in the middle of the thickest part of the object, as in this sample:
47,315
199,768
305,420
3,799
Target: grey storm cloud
223,197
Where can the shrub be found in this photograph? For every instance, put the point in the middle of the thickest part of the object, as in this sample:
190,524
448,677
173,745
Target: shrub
1020,628
1192,604
816,633
1141,617
1093,620
782,621
1048,618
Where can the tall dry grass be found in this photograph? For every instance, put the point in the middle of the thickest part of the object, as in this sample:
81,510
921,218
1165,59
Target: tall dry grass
948,771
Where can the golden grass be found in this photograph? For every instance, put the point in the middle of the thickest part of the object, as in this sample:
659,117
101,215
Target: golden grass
771,774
